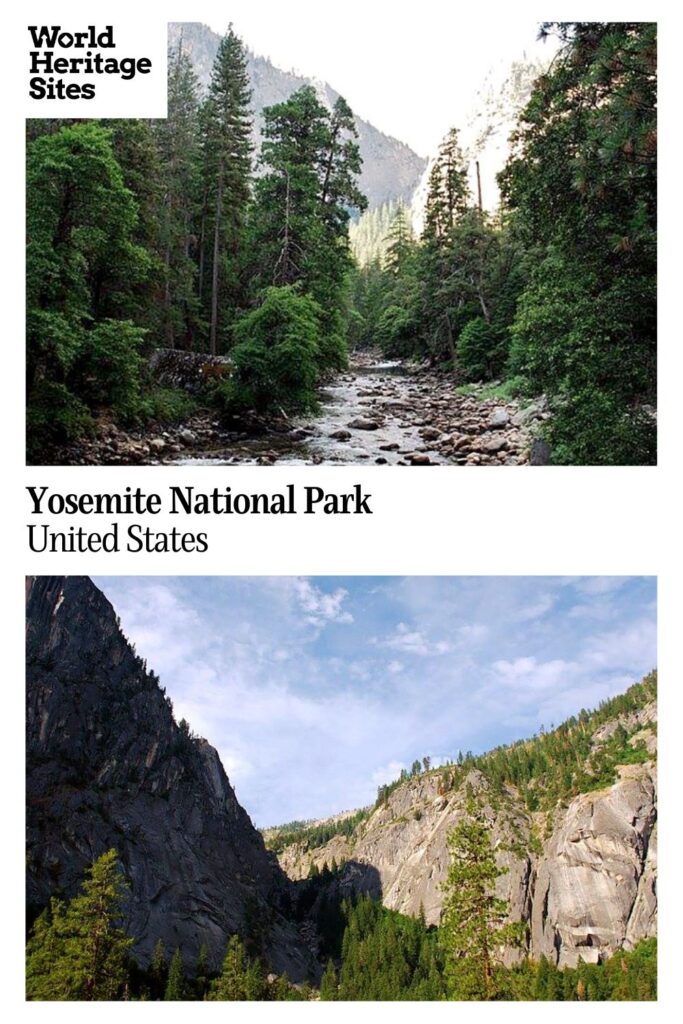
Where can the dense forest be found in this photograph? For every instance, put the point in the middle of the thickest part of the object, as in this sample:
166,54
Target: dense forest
556,292
81,951
146,234
175,234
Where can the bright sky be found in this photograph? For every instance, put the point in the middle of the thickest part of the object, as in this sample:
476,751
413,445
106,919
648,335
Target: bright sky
412,70
316,690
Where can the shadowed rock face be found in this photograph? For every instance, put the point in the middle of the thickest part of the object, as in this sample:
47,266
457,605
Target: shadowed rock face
107,766
589,891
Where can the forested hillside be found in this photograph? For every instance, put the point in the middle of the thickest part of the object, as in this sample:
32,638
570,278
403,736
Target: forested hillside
157,234
554,293
147,880
178,234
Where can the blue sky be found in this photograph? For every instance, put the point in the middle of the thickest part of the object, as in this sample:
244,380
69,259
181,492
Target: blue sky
315,690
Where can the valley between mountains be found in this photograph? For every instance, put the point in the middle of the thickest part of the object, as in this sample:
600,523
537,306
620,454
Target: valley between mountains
571,815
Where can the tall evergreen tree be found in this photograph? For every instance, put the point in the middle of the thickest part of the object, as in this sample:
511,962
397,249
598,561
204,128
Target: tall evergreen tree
176,988
448,193
227,148
473,929
81,951
177,138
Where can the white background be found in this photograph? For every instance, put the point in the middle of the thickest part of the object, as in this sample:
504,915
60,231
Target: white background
444,520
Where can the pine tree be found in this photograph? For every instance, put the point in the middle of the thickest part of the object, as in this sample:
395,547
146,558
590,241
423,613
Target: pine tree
178,140
328,984
448,192
175,986
202,972
240,979
227,148
82,951
473,928
158,970
400,242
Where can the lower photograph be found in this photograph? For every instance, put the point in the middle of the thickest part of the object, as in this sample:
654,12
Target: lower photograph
341,788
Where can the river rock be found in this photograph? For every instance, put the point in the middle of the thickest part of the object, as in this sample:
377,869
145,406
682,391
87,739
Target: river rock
498,419
341,435
363,424
540,453
495,444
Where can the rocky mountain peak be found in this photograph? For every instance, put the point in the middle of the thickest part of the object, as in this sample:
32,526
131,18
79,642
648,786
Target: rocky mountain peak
108,766
391,170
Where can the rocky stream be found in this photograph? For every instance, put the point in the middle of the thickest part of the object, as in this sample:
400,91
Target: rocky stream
376,412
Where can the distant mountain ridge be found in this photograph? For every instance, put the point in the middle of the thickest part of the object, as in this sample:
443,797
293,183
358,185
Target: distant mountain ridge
573,815
391,169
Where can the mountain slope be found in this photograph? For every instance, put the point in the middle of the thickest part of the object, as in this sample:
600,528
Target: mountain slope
391,170
581,866
107,766
486,130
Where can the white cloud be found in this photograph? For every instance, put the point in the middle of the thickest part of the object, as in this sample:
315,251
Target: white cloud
528,675
537,609
413,641
472,634
319,606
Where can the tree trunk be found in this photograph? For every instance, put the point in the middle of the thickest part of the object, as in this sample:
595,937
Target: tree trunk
213,334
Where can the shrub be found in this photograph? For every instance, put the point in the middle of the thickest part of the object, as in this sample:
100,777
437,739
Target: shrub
276,357
169,405
593,428
107,371
482,350
54,417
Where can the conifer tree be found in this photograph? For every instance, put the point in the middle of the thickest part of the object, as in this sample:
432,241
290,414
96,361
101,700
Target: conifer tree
227,148
328,984
158,970
175,986
240,979
178,143
82,951
202,972
473,924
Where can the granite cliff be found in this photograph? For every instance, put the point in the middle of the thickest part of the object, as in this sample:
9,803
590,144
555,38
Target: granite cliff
108,766
581,875
391,170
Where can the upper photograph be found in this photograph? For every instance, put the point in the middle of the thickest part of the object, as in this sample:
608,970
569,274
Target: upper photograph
354,251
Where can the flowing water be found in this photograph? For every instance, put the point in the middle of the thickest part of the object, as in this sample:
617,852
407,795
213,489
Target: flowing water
386,393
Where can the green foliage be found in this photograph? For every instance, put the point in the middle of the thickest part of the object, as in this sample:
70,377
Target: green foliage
80,951
276,355
385,955
176,988
314,836
168,405
379,954
582,184
481,350
240,979
474,928
82,269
